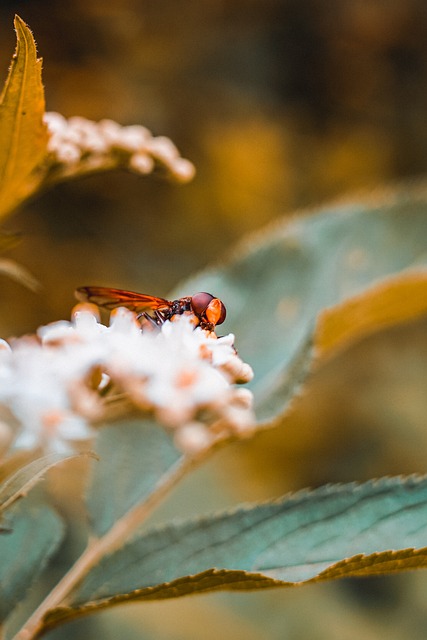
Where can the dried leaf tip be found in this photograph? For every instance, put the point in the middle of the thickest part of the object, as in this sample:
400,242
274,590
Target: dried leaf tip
21,27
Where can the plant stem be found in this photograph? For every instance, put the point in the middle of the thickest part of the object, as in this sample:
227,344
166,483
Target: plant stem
98,547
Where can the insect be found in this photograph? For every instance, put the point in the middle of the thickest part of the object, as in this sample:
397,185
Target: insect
207,310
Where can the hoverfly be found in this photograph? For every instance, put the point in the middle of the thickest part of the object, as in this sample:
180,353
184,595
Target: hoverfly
207,310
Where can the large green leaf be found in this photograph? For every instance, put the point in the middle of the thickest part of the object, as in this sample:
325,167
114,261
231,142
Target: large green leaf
133,456
36,531
332,532
23,134
279,281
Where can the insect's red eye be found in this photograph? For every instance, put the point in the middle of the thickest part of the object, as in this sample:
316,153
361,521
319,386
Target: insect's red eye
200,301
215,312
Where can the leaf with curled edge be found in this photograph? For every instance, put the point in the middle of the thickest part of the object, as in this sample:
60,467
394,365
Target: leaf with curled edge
394,300
332,532
23,133
280,279
19,273
22,480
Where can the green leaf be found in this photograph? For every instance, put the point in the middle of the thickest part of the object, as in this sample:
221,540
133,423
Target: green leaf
36,531
23,134
335,531
23,480
279,280
133,456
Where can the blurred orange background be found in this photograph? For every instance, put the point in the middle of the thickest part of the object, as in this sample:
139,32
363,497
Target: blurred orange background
280,104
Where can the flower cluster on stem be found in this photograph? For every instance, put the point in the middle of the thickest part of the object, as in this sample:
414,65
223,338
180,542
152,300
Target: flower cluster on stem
58,385
78,145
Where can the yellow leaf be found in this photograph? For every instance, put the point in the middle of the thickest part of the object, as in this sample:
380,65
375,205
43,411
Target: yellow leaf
23,134
397,300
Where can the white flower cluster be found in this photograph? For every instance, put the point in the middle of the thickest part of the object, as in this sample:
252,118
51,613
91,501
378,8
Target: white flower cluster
77,142
55,384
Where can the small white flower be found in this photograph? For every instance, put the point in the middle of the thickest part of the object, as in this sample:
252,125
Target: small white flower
134,138
183,170
111,131
56,123
36,392
193,438
56,332
66,152
163,149
141,162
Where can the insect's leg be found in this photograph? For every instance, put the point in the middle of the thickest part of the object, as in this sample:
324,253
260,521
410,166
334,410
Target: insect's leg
160,316
145,318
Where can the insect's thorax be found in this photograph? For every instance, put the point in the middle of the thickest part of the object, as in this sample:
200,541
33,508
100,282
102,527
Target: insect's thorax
180,306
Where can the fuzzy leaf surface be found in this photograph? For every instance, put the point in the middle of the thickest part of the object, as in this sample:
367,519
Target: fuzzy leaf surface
332,532
23,133
133,456
277,283
35,533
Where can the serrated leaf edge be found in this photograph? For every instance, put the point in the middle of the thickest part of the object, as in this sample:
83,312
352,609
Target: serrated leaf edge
291,497
236,580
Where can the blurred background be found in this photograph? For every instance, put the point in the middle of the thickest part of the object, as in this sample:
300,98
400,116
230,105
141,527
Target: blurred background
281,105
